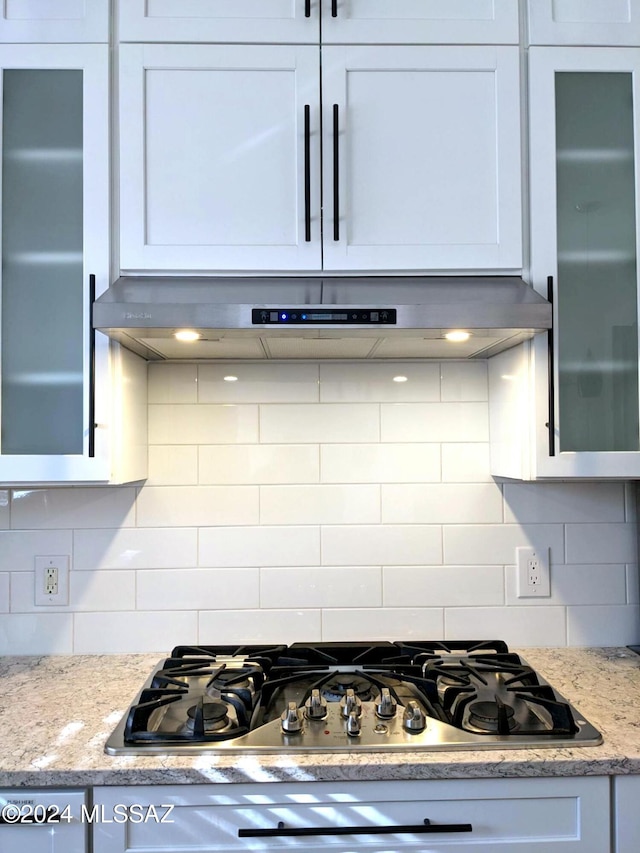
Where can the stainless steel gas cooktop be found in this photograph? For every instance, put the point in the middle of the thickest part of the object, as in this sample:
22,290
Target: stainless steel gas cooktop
347,697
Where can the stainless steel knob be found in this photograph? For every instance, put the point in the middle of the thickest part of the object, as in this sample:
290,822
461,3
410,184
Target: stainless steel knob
353,724
414,719
315,706
387,706
292,719
350,703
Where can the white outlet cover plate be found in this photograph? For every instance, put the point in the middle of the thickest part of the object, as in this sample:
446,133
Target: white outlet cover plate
61,563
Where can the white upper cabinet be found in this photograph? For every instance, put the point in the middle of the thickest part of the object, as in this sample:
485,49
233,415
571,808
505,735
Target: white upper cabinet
419,21
421,158
343,21
54,21
219,157
584,22
63,387
581,388
248,21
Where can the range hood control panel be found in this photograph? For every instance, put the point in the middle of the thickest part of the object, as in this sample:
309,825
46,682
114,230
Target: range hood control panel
312,316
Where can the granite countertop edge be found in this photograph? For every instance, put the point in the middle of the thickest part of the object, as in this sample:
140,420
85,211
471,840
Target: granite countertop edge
57,711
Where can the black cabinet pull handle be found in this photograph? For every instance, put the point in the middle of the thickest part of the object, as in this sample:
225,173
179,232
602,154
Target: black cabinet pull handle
334,8
307,8
307,174
336,174
551,424
425,827
92,370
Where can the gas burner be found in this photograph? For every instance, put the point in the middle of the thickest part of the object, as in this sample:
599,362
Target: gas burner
493,717
336,688
214,716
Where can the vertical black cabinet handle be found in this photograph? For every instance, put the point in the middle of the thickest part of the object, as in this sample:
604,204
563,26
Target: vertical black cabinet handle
336,174
307,174
307,8
334,8
551,425
92,370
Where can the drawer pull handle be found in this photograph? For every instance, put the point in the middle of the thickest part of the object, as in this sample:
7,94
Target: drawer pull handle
307,174
334,8
307,8
336,174
426,827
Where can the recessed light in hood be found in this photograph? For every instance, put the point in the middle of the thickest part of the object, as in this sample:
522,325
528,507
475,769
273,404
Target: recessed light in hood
321,318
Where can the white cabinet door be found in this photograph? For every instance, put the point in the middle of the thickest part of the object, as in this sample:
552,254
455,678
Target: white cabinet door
266,21
54,21
215,146
57,421
483,816
584,22
420,21
584,392
626,816
421,158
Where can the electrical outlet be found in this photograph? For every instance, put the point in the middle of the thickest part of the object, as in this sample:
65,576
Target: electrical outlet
532,566
52,581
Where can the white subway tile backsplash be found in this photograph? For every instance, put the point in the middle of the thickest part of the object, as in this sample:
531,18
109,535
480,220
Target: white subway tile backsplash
465,463
494,544
442,586
197,589
216,424
388,623
380,463
601,543
428,422
259,463
36,634
135,548
172,465
441,503
259,546
318,501
381,544
374,382
331,423
349,586
586,584
19,547
197,506
133,632
518,626
583,503
603,625
321,504
259,626
258,383
464,381
172,383
72,507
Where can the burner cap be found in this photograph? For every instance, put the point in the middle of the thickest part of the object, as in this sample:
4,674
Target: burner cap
489,716
214,715
336,689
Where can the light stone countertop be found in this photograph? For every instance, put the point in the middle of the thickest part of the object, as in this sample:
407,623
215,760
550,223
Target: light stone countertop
57,712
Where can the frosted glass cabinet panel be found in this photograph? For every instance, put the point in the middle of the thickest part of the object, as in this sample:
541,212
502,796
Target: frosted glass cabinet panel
42,231
584,198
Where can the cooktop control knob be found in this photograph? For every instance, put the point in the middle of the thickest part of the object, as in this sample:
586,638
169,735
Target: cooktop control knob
387,706
315,706
351,703
353,724
413,719
292,719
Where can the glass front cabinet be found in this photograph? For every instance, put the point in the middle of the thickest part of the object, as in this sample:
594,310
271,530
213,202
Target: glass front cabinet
63,389
567,404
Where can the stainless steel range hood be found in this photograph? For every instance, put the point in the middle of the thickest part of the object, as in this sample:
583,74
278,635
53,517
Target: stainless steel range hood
320,318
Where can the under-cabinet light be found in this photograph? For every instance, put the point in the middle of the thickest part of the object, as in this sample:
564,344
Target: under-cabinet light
457,336
187,336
